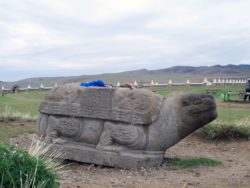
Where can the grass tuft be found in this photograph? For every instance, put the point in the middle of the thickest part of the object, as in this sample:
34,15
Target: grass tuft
10,115
19,168
192,163
218,130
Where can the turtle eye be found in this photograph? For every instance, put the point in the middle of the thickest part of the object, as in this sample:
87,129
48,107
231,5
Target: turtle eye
185,103
197,101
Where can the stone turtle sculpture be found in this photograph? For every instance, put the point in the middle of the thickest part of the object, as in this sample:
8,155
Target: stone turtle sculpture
119,126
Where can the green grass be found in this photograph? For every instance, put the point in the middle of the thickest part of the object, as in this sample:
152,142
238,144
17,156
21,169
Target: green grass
25,103
215,90
237,129
232,123
20,169
193,163
22,107
232,113
10,114
14,129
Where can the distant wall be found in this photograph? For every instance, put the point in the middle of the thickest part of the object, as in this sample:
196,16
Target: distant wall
7,91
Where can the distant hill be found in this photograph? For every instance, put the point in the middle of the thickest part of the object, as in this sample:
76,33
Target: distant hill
217,70
176,73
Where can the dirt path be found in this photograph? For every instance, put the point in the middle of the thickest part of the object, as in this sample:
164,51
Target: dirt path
235,171
233,104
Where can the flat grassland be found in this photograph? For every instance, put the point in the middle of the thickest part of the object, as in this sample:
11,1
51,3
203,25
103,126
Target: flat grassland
234,155
24,107
27,103
17,114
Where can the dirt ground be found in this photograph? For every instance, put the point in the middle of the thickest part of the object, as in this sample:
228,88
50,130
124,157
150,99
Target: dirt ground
234,173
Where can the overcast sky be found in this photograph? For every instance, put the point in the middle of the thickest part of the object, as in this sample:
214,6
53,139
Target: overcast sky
76,37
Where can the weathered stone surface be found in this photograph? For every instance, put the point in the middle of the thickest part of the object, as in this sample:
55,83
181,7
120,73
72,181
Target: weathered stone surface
122,159
140,107
98,131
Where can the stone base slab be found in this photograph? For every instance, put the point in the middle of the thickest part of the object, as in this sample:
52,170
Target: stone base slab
122,159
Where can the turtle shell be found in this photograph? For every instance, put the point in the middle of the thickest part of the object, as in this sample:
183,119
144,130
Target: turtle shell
134,106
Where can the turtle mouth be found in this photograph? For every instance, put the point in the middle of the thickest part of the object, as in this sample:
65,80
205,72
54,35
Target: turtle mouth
202,104
203,110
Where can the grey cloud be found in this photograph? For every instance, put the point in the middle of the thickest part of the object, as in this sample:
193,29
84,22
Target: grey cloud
49,36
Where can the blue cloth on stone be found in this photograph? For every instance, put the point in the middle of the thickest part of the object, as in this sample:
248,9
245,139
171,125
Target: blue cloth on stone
94,83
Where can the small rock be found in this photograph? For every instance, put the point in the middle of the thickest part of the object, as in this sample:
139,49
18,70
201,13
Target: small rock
197,174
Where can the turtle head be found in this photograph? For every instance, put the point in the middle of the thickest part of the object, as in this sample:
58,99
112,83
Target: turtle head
195,110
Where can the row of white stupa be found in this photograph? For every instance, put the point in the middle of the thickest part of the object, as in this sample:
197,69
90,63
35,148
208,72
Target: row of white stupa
30,88
155,83
229,81
204,82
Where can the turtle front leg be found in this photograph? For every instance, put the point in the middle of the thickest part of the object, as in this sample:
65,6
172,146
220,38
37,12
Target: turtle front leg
119,136
107,142
53,134
106,139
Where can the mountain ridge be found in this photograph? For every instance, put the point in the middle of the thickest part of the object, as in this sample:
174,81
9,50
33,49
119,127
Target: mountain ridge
178,73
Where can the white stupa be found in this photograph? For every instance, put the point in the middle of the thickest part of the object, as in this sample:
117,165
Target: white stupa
152,83
215,81
205,80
